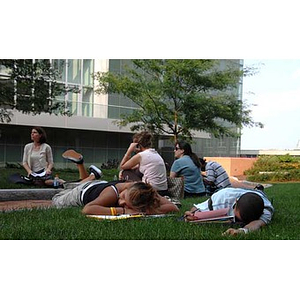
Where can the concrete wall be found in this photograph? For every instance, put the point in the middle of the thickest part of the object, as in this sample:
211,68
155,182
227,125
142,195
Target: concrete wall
234,166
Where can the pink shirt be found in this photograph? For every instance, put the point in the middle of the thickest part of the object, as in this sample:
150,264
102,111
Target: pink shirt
153,167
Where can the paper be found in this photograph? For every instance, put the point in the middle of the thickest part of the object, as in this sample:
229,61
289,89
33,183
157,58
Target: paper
38,174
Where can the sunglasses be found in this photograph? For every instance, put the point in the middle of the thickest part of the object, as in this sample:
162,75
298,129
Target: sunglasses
177,148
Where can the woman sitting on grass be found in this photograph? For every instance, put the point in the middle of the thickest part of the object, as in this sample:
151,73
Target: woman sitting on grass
114,198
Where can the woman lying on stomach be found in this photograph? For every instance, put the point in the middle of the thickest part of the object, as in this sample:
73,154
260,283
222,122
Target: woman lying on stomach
114,198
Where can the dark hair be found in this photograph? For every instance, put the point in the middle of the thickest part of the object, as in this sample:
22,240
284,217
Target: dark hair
202,163
186,147
250,206
42,132
143,138
143,196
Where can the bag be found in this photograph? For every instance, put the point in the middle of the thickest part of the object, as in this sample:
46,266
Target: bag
18,178
176,187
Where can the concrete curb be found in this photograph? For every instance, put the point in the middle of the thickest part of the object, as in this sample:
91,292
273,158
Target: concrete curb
27,194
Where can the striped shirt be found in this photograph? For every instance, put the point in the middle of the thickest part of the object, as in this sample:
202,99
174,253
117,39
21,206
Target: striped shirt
216,173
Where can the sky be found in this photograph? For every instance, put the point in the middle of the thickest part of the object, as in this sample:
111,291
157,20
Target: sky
275,91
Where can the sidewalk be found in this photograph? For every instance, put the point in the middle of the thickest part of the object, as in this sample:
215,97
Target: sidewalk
241,182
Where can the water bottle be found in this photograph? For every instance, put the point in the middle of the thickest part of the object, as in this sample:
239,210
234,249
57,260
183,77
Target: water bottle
115,177
56,182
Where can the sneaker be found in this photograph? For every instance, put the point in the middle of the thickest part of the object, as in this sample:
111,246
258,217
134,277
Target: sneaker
260,187
73,156
97,172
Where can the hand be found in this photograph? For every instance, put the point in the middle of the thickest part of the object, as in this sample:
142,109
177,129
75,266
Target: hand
133,147
232,231
189,216
131,211
48,171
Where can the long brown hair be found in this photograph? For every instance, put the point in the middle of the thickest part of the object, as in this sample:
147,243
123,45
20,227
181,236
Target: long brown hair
143,196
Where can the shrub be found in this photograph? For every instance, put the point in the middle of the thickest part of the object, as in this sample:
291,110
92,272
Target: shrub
275,168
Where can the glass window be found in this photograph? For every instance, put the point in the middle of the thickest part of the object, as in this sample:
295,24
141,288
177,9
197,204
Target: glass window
87,102
113,112
126,102
7,89
88,70
114,65
113,99
74,69
23,87
72,102
125,111
60,65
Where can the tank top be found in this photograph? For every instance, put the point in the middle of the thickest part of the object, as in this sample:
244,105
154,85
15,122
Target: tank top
92,191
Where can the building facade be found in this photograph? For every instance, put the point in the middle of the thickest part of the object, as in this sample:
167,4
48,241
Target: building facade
91,129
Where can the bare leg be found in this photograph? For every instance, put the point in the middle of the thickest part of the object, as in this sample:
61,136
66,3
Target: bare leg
49,182
76,158
89,178
82,171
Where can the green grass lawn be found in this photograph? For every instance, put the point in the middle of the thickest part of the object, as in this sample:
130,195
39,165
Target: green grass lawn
70,224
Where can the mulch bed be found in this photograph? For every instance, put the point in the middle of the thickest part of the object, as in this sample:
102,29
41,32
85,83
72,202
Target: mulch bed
25,204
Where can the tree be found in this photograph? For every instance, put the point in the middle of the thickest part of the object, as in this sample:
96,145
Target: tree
176,96
31,86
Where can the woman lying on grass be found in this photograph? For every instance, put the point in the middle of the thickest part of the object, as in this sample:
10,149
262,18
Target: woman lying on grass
114,198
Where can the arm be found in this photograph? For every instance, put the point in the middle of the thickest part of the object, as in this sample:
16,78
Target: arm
173,174
49,169
210,176
25,160
175,169
208,182
101,205
49,159
166,206
190,214
252,226
26,167
107,199
129,162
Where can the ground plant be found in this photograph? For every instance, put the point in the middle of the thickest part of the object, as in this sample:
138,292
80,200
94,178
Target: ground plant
275,168
71,224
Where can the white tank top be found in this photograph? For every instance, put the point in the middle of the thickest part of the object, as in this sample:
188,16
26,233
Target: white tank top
153,167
